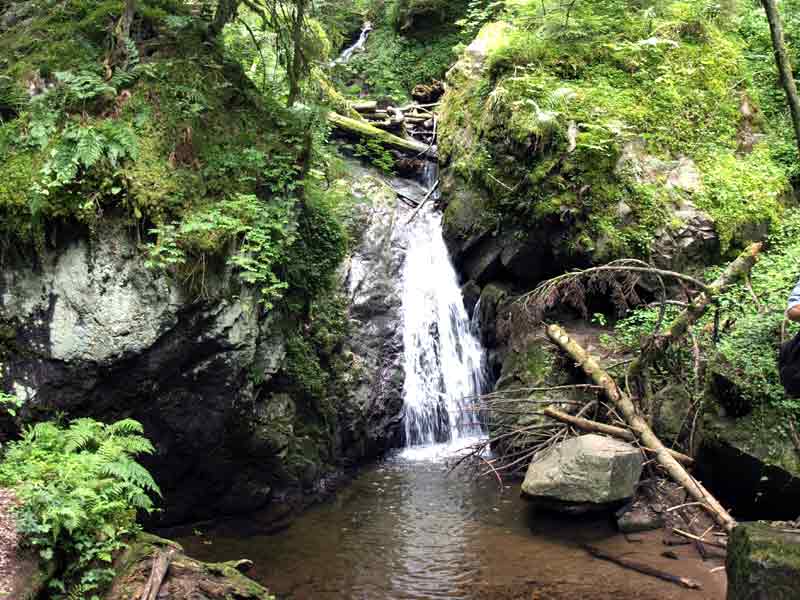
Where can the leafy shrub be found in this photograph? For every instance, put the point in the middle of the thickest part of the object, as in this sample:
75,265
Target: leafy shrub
80,488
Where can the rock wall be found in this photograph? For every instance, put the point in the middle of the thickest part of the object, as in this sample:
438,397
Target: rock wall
89,330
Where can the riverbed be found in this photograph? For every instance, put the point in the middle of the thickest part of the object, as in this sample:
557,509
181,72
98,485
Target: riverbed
406,529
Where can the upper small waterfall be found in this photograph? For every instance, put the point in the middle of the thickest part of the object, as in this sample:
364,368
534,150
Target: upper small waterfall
444,361
347,53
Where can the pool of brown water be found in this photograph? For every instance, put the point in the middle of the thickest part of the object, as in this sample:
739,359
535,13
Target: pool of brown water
406,529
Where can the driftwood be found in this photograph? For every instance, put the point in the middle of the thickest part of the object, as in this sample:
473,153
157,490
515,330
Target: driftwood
366,130
643,568
699,539
617,432
158,572
639,426
424,200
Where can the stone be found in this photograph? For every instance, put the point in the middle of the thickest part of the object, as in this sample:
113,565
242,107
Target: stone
471,293
89,330
750,464
584,473
763,562
639,518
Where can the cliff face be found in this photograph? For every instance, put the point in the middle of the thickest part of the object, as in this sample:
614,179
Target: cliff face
90,330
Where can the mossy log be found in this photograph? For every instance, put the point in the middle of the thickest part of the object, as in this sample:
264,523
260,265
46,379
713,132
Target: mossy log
365,130
639,426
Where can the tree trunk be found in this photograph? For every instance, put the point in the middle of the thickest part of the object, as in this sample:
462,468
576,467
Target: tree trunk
365,130
617,432
639,426
295,69
784,66
226,11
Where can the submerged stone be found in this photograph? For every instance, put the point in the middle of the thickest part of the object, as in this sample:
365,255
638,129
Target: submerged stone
584,473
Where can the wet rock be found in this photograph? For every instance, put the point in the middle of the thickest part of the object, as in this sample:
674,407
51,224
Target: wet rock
492,297
750,464
428,93
471,292
763,563
585,473
639,517
186,579
372,279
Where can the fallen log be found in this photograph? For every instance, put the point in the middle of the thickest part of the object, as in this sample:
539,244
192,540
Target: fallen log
639,426
643,568
424,200
617,432
158,572
366,130
365,107
689,316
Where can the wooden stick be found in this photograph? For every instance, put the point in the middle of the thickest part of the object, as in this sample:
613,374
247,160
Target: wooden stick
365,107
424,200
638,425
643,568
695,538
617,432
158,572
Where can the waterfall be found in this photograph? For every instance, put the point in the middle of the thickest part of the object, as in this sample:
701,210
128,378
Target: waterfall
347,53
444,361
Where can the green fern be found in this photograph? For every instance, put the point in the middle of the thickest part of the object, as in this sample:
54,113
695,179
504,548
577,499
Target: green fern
80,488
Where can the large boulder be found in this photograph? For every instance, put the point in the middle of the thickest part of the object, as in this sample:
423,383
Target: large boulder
86,329
584,473
763,562
751,464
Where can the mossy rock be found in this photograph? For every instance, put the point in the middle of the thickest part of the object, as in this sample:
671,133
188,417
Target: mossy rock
763,563
187,579
751,464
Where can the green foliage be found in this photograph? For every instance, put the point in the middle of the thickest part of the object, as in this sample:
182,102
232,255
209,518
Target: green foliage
256,234
10,403
395,62
597,75
79,487
375,153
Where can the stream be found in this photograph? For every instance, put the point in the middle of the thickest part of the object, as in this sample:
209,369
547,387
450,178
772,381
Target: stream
407,527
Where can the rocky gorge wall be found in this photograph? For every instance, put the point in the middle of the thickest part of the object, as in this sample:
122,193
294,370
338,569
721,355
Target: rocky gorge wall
526,203
89,330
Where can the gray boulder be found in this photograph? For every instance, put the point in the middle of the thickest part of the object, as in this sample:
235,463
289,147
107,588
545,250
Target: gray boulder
584,473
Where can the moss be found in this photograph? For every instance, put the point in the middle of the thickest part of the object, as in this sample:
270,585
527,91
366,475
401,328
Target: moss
541,123
763,562
763,434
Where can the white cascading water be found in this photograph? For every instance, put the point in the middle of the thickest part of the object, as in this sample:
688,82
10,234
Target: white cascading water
444,361
347,53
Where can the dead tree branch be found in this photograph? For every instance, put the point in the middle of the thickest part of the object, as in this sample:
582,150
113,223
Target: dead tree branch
638,425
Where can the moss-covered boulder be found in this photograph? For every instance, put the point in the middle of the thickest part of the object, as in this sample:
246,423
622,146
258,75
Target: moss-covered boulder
751,464
588,137
186,579
763,562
